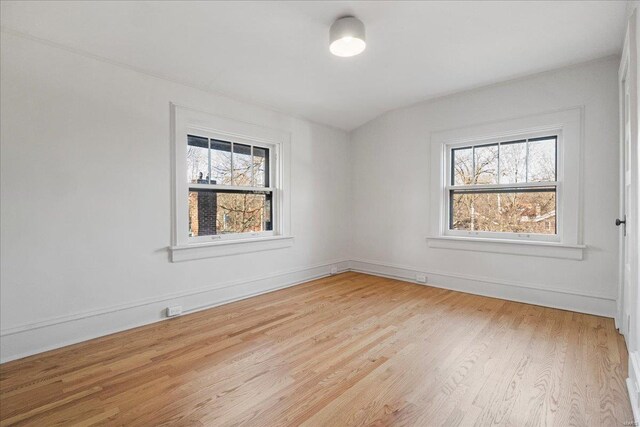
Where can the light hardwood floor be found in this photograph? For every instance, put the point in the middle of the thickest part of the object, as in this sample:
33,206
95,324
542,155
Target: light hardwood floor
351,349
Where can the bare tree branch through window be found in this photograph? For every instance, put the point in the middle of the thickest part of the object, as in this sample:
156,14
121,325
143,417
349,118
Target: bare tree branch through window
492,190
232,193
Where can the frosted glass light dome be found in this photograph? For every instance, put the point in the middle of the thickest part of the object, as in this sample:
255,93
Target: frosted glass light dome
347,37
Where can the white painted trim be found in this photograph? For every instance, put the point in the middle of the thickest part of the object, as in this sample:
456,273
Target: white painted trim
627,314
633,385
512,247
186,120
32,338
634,402
28,339
623,314
568,125
229,247
629,263
555,297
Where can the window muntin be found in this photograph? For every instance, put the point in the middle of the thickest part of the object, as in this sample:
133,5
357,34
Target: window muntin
228,188
504,189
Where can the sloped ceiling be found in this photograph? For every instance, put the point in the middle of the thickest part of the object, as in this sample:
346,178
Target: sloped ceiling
276,53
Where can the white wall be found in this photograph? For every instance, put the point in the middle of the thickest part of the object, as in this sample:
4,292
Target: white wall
85,212
390,191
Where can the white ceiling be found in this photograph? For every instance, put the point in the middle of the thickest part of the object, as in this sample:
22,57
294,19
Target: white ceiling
276,53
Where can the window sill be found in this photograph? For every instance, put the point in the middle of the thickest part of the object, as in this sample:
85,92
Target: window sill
229,247
505,246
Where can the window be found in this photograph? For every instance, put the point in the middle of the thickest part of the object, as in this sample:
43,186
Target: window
504,188
512,186
229,192
230,186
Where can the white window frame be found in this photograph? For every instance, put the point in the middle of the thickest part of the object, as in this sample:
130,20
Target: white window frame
567,243
505,235
273,179
187,121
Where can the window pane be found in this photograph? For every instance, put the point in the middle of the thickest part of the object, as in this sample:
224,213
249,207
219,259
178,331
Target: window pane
507,212
243,212
542,160
513,162
218,212
242,165
202,212
486,164
220,162
261,166
197,160
462,161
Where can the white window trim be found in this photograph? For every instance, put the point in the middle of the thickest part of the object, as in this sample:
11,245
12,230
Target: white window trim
567,124
185,121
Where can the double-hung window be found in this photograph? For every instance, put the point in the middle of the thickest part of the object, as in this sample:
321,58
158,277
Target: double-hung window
504,188
230,186
512,186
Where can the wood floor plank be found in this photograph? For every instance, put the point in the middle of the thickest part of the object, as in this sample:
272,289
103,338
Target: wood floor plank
350,349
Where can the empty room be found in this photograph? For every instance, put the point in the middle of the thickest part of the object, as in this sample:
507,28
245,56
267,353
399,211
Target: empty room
319,213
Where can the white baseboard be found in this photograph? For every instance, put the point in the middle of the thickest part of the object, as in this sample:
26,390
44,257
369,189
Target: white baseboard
28,339
633,384
562,298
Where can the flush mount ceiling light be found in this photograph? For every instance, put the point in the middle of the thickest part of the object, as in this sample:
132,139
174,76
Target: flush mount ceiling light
346,37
